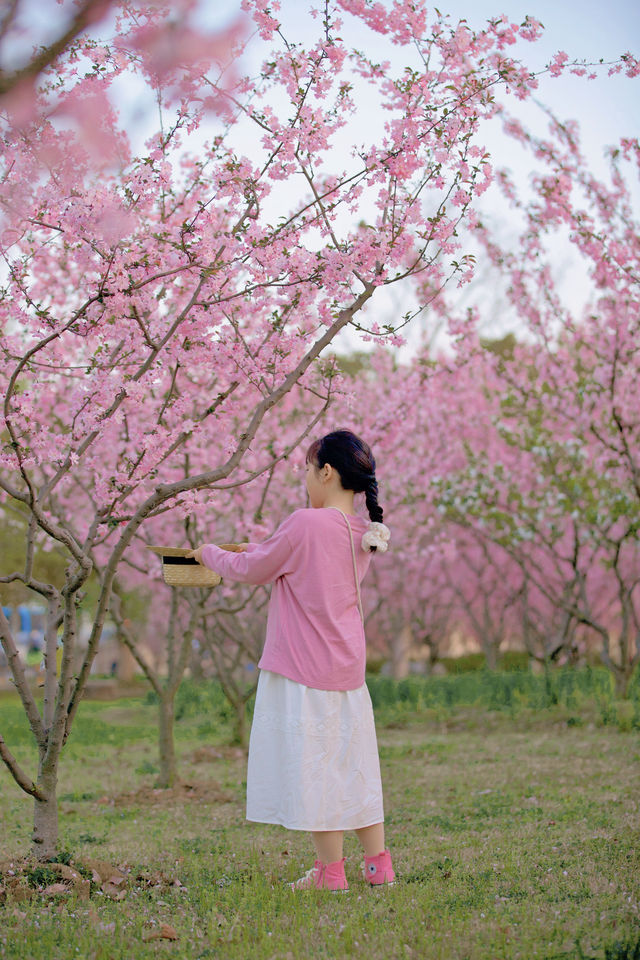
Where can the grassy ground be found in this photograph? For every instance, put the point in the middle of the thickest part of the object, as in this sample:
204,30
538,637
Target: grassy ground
514,835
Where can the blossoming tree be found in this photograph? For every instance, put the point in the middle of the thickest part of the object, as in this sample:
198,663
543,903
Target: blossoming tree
180,290
554,480
225,624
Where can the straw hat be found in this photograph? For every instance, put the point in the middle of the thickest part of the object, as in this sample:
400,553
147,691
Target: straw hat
179,570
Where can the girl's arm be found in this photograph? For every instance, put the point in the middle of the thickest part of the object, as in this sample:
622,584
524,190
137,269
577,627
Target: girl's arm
261,563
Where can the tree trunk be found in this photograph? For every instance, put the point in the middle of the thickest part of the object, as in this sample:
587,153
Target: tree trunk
240,723
552,697
126,668
45,817
167,775
490,650
400,652
622,678
195,665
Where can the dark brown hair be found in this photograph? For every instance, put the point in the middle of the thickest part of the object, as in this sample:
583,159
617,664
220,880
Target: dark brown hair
355,463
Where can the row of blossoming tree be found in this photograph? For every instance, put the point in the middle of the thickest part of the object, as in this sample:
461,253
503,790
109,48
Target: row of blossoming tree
167,310
509,469
518,467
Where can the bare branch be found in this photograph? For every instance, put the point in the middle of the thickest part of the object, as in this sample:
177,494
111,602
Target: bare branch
9,17
127,638
24,782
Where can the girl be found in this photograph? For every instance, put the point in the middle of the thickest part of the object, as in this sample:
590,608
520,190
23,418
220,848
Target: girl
313,757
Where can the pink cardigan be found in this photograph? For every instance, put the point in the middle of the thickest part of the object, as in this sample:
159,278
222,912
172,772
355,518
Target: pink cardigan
315,635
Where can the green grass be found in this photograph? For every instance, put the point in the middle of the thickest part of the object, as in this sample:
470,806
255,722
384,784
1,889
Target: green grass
515,834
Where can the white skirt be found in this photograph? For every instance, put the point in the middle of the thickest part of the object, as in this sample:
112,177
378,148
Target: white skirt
313,757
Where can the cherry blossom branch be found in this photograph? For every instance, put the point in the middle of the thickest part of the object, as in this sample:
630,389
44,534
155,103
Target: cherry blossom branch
169,491
283,456
106,515
91,437
85,15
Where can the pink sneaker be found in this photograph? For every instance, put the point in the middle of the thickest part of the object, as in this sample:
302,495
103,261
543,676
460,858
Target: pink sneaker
378,869
323,876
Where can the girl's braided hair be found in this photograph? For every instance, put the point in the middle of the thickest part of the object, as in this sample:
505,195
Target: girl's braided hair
355,463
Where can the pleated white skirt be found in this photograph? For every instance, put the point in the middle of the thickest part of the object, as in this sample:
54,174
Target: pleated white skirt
313,757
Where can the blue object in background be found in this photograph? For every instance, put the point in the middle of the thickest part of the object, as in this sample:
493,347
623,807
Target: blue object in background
25,619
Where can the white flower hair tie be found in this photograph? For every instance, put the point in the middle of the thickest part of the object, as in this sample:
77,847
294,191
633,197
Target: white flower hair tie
378,536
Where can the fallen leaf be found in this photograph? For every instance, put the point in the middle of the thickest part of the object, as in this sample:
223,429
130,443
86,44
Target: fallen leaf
164,932
56,888
79,884
106,872
113,892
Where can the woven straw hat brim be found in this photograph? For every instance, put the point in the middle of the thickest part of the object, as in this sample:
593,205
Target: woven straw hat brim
180,571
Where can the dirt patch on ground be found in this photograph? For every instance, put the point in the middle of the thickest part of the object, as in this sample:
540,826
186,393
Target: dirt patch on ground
205,792
209,754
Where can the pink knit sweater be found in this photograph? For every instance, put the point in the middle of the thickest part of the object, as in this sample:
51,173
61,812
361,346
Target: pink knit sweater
314,632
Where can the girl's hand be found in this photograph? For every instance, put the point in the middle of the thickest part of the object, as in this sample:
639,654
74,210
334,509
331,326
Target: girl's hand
233,547
196,554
